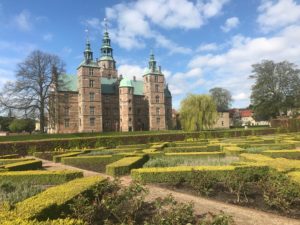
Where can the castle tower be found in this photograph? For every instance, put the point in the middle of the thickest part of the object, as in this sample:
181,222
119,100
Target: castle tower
106,62
154,86
89,93
126,105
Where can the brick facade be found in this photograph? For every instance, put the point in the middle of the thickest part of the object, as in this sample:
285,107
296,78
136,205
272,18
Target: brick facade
97,99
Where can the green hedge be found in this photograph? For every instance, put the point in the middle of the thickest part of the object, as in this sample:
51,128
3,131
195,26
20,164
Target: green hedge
197,154
26,165
289,154
189,143
57,158
47,155
11,156
9,161
23,147
51,203
278,146
18,221
181,174
207,148
94,163
41,177
123,166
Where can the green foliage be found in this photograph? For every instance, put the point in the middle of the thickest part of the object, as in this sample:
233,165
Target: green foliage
279,191
40,177
11,156
4,123
222,98
197,112
276,88
57,158
289,154
10,161
20,125
24,165
123,166
54,201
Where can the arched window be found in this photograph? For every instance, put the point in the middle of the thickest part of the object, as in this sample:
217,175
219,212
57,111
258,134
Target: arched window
157,99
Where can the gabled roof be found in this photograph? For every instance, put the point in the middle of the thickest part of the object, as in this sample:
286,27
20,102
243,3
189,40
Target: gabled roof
108,85
246,113
68,82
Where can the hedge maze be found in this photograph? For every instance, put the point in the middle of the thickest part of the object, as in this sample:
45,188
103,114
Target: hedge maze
241,170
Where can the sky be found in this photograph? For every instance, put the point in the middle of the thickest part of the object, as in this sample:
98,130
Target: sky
199,44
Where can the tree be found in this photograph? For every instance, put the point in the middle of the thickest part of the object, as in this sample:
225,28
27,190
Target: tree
34,77
222,98
20,125
197,112
276,88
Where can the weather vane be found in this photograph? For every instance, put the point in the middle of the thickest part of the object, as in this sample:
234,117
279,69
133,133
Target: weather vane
105,24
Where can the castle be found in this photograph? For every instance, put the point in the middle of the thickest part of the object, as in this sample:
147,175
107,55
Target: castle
97,99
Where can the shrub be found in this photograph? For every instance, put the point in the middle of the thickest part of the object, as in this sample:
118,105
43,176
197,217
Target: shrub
94,163
197,154
26,165
46,155
295,176
19,125
289,154
57,158
54,201
9,161
40,177
208,148
123,166
11,156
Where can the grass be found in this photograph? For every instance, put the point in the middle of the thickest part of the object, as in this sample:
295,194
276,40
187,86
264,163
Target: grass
190,161
12,193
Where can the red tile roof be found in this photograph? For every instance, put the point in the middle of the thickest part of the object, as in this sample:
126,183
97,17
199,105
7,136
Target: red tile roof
246,113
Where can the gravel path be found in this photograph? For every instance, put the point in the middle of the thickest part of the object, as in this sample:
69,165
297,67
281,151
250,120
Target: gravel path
241,215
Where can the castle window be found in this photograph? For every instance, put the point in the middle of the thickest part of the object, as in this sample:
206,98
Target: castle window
92,122
157,111
156,87
158,120
157,99
129,109
67,123
92,110
91,83
67,111
79,122
91,71
138,111
92,96
156,78
129,119
222,123
129,101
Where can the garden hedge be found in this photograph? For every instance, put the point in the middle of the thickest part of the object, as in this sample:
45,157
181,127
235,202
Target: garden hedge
9,161
197,154
179,174
123,166
288,154
18,221
47,155
51,203
207,148
24,147
94,163
232,150
295,176
57,158
41,176
11,156
25,165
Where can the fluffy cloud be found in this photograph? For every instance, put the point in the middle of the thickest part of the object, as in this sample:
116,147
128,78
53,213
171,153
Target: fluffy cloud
134,21
230,23
23,21
277,14
130,71
48,37
207,47
232,68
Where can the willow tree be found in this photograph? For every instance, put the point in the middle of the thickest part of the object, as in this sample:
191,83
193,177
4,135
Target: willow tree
198,112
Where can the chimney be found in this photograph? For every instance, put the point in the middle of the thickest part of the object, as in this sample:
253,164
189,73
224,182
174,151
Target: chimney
120,76
134,78
159,69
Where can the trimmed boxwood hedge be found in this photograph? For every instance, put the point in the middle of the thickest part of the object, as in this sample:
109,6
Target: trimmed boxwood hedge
23,147
40,177
94,163
57,158
207,148
197,154
9,161
11,156
123,166
51,203
47,155
25,165
288,154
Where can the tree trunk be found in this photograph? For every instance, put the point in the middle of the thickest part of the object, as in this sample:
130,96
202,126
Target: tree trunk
42,118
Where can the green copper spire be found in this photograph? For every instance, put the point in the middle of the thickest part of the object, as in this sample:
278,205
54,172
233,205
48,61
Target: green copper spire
152,62
106,49
88,54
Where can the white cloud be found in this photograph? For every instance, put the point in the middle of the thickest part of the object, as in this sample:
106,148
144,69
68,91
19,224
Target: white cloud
230,23
240,96
93,23
129,71
207,47
277,14
232,68
23,21
134,22
48,37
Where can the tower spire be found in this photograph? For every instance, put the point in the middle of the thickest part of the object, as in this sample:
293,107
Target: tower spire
152,62
88,54
106,49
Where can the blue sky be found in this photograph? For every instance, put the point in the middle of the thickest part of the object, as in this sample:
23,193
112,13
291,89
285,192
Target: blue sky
200,44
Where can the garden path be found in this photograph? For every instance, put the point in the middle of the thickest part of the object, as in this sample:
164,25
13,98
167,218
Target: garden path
241,215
